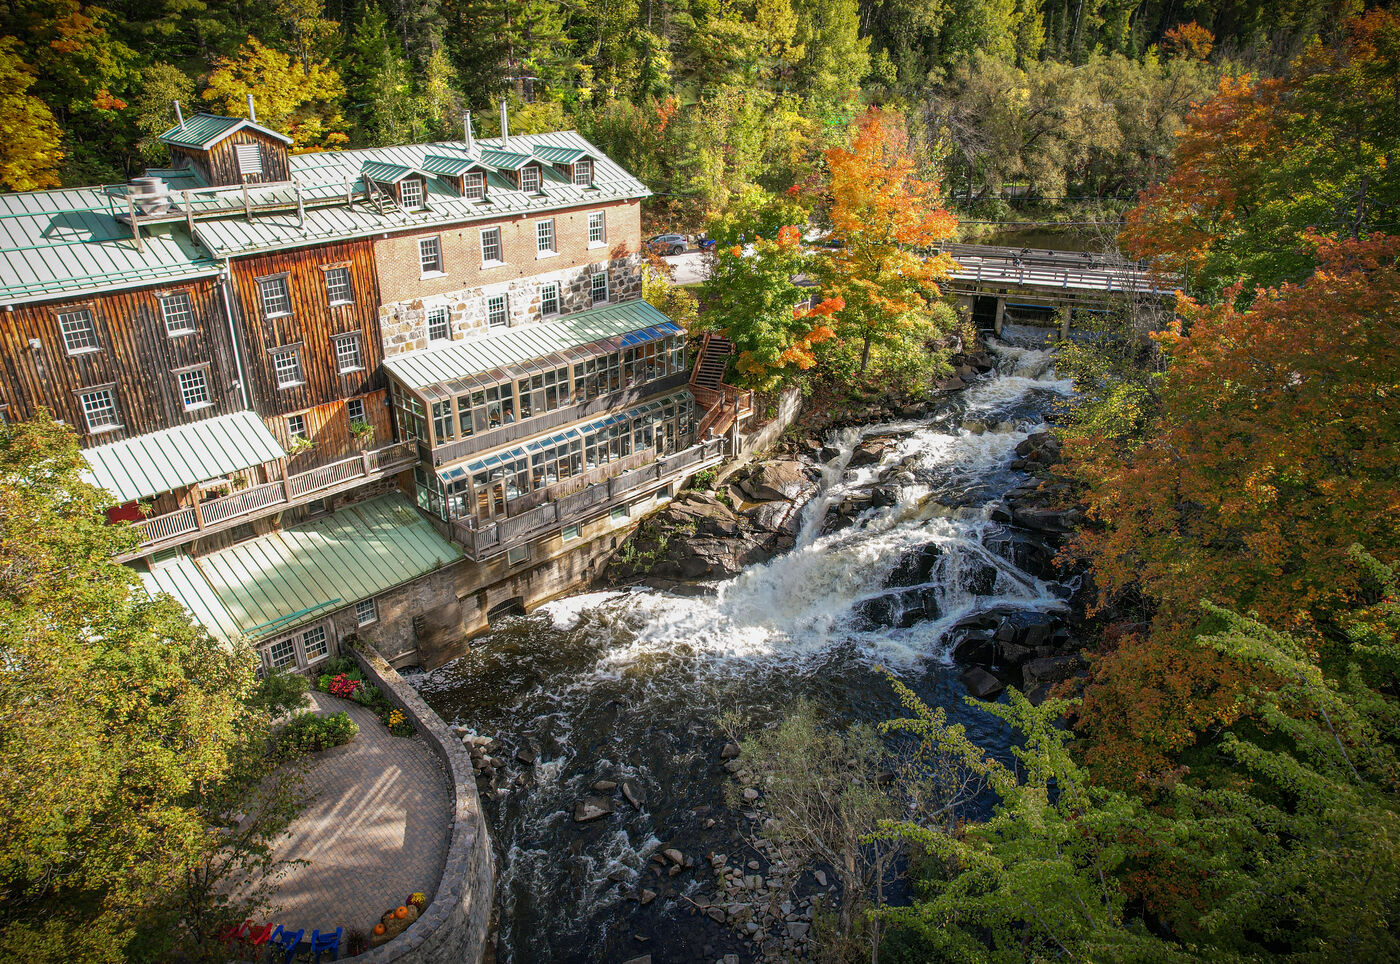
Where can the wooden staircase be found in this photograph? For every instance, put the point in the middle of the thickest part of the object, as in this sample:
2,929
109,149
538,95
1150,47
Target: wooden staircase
724,404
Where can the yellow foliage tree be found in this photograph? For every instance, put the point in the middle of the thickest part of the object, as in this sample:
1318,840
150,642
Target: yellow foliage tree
302,101
29,136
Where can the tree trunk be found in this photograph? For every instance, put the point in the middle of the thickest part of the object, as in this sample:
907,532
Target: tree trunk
865,355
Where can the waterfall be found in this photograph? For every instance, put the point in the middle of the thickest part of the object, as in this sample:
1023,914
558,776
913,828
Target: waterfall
630,684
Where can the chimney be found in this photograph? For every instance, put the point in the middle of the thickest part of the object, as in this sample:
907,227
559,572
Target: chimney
467,128
252,112
505,128
179,115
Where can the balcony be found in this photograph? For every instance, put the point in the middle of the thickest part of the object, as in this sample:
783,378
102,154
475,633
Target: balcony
206,518
484,540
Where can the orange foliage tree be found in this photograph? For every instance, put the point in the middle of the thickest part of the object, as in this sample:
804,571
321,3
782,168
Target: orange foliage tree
1274,451
882,215
1265,161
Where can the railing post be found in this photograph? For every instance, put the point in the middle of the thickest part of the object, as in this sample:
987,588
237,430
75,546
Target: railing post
198,515
286,480
364,461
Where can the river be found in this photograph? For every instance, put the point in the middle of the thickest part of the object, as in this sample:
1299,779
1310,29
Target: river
629,685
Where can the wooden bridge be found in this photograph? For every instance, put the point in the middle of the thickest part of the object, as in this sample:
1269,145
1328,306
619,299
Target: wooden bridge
987,277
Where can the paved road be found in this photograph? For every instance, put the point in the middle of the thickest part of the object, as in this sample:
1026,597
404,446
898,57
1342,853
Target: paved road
376,832
689,268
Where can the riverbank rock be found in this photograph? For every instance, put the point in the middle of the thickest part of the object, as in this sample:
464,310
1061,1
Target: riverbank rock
781,480
592,808
981,684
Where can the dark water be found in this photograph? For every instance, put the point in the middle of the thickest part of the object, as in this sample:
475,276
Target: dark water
630,685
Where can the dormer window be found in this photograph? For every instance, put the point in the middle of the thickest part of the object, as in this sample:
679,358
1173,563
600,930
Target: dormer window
530,178
583,172
474,186
411,193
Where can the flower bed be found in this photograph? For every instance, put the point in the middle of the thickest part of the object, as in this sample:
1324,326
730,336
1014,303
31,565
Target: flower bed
344,679
308,733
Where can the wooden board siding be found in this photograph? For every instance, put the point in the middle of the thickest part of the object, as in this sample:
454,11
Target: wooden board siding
219,164
312,324
328,427
137,358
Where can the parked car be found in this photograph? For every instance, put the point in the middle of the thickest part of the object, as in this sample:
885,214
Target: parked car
668,244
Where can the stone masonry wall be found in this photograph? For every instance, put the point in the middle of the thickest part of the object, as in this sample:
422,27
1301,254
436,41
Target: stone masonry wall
405,289
453,928
404,325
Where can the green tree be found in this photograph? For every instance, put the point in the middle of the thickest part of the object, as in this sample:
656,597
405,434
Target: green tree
753,301
379,82
161,86
835,58
115,713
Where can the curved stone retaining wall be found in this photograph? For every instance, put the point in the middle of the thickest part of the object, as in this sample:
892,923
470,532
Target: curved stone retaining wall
453,927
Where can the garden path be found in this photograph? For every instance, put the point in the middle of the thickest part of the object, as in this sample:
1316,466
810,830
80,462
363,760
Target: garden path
375,831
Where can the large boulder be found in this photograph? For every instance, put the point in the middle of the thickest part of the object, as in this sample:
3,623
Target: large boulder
1048,670
785,479
981,684
915,567
869,452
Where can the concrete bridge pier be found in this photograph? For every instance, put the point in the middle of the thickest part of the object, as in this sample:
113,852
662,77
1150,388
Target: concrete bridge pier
1000,317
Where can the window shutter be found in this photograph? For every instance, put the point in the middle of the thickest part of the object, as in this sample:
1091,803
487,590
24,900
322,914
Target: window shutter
249,158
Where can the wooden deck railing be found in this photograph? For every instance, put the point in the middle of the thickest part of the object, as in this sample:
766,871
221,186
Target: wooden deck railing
483,540
183,525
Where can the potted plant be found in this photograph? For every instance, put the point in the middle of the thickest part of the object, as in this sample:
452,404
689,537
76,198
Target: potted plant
362,430
300,443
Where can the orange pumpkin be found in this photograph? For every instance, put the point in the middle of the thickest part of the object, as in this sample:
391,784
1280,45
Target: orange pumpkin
378,929
401,912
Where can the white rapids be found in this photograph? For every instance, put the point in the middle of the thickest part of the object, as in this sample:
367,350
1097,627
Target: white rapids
629,685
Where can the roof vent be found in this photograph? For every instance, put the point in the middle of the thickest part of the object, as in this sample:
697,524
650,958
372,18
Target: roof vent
151,194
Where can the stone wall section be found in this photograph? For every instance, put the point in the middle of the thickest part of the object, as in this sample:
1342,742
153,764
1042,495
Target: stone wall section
465,281
453,928
404,325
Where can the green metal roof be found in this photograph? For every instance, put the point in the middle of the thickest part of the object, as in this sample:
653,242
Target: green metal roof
504,160
203,131
163,461
385,173
276,582
513,346
452,166
559,155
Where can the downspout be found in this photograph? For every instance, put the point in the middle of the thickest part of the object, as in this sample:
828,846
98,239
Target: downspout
233,333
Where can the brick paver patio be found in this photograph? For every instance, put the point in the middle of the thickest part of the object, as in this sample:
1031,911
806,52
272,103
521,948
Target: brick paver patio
375,832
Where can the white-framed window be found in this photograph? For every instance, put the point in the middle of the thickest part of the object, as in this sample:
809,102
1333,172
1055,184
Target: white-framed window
583,171
496,314
276,300
529,178
411,193
286,365
549,298
439,328
347,353
517,555
365,612
571,533
79,331
355,409
313,643
194,389
100,409
597,230
430,256
599,285
544,236
296,426
491,246
474,186
339,289
178,313
249,158
618,512
282,653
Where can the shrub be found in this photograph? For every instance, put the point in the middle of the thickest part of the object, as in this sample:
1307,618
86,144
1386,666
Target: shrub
340,665
280,691
368,695
323,682
308,733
